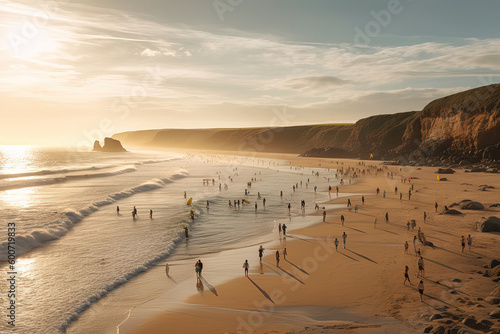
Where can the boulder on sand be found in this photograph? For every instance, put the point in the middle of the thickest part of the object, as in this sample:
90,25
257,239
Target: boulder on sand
490,224
445,171
472,206
452,212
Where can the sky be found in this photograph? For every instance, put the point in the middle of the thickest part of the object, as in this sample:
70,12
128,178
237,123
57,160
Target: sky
75,71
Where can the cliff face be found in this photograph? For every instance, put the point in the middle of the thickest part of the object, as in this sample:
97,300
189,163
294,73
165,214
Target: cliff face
459,127
293,139
378,134
110,145
463,127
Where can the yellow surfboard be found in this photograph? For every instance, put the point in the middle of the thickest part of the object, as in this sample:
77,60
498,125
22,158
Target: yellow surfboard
189,201
246,201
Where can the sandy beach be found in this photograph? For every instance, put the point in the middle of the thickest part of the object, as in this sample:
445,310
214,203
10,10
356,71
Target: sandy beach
359,288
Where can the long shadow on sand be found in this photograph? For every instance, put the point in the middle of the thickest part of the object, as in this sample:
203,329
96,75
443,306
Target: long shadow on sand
438,300
305,272
355,229
364,257
381,229
349,256
209,286
294,236
445,286
261,290
443,265
286,272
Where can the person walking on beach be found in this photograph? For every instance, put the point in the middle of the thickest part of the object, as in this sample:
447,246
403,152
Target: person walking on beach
245,266
406,247
462,241
420,288
261,253
425,216
284,253
344,237
281,194
387,217
324,216
200,266
407,277
264,202
356,208
279,229
117,210
421,270
400,196
436,206
289,207
408,225
363,200
378,191
150,214
277,258
336,243
342,219
284,230
349,202
197,268
469,241
167,269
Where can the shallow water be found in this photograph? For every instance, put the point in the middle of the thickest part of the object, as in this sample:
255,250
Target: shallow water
73,248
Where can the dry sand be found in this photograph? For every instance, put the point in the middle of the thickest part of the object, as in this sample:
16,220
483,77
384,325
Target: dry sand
360,289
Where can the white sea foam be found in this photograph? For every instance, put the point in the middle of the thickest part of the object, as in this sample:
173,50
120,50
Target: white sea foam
69,218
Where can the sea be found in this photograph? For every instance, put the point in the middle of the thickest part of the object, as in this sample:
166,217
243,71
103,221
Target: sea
70,247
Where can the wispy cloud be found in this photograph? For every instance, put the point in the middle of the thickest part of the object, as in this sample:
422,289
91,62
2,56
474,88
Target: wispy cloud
81,53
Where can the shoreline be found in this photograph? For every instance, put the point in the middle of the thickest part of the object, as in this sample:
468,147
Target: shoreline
374,307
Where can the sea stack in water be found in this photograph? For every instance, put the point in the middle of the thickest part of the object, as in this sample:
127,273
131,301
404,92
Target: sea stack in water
110,145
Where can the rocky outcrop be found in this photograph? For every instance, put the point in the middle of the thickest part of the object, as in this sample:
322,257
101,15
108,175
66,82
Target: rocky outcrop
110,145
490,224
97,146
459,127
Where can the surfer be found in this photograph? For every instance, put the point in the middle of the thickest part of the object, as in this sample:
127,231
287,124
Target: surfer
117,210
150,214
192,214
264,202
186,231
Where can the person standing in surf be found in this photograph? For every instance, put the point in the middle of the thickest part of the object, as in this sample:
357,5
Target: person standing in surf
245,266
261,253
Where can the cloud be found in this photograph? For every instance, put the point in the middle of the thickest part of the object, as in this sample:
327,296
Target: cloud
319,82
171,53
492,60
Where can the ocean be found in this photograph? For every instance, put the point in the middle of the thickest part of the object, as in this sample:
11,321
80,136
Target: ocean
72,248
